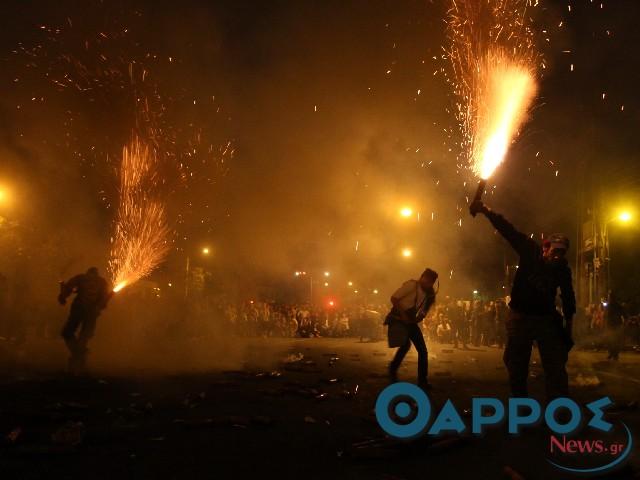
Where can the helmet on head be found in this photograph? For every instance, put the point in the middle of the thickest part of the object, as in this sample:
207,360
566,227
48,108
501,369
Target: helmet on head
92,271
557,240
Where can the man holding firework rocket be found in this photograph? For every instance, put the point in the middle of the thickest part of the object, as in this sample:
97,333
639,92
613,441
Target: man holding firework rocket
542,270
92,295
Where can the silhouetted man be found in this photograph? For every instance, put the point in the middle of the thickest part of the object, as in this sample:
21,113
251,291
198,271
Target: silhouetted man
92,295
533,316
411,302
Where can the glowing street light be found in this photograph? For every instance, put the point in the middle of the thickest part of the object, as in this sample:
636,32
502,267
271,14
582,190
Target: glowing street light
624,216
350,284
406,252
205,251
326,274
375,291
406,212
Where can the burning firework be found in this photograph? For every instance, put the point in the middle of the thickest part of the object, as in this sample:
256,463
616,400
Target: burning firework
140,240
493,63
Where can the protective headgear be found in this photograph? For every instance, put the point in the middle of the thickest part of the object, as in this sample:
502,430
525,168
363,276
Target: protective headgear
92,271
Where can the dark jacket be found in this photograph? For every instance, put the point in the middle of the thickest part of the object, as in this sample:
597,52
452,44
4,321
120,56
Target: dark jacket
92,291
536,282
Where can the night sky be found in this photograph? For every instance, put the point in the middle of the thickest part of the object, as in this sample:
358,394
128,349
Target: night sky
292,132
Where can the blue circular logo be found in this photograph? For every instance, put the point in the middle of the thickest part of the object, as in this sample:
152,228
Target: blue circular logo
395,401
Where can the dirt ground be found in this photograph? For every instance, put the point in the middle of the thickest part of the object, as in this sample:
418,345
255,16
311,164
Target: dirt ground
277,408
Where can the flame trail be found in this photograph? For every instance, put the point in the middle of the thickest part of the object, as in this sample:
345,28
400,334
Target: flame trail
140,240
493,63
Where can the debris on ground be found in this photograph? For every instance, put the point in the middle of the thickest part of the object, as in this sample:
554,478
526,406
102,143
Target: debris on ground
309,419
272,374
293,358
586,381
330,381
13,435
349,394
70,434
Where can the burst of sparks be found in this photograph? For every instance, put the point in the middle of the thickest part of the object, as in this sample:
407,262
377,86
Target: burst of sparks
140,242
493,60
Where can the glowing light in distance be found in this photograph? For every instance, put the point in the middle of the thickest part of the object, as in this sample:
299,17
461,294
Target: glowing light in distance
624,216
406,212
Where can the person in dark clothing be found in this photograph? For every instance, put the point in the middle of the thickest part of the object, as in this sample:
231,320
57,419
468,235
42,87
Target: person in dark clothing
615,326
92,295
502,313
542,270
411,302
459,323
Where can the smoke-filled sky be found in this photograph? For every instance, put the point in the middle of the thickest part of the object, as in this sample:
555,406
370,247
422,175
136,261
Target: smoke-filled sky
292,132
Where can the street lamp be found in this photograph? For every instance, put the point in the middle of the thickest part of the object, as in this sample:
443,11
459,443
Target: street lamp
406,212
304,274
205,251
624,216
406,252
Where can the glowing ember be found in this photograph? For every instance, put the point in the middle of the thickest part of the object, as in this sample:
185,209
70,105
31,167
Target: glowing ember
493,65
140,240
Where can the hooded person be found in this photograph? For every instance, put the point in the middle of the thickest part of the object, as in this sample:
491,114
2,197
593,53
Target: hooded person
542,271
411,302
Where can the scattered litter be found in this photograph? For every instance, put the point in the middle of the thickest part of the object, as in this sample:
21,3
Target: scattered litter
70,434
309,419
330,381
13,435
293,358
273,374
349,394
586,381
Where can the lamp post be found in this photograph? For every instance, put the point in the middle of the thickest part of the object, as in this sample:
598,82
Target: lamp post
623,217
205,251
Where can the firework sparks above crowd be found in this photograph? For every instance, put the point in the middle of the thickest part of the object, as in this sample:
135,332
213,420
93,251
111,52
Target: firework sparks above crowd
140,240
493,62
